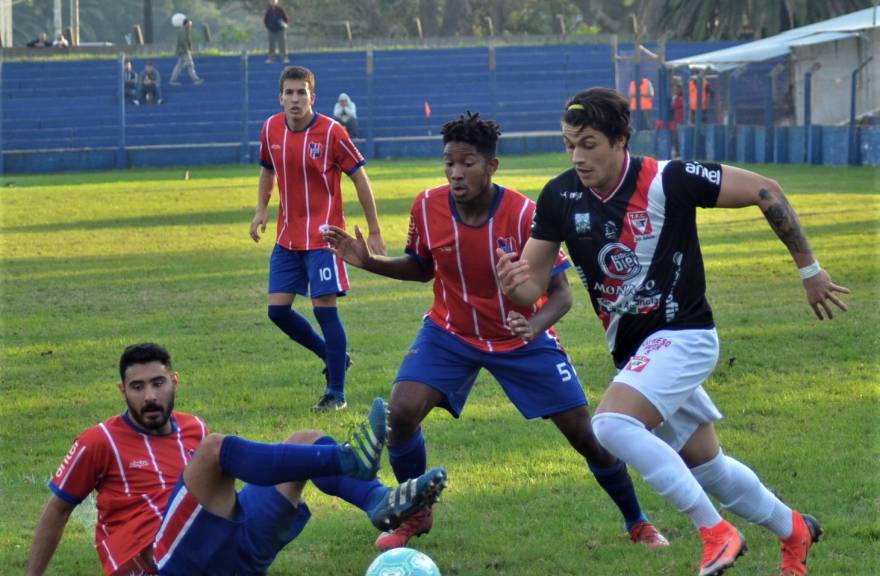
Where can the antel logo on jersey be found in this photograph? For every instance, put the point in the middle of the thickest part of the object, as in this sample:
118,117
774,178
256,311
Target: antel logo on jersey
697,169
618,261
67,458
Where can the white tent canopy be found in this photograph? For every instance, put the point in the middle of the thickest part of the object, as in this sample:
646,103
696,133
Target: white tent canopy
838,28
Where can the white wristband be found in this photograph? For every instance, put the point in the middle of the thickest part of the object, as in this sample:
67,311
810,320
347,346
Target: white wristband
810,271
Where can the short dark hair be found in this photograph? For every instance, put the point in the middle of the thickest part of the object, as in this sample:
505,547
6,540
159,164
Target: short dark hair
143,353
297,73
602,109
471,129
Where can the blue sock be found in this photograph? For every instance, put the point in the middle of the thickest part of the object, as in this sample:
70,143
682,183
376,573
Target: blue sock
410,459
297,327
617,483
363,494
270,464
336,347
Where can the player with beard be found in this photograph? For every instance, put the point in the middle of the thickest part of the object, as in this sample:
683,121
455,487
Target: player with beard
167,502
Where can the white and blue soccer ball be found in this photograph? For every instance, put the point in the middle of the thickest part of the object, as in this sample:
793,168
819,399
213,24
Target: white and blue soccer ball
402,562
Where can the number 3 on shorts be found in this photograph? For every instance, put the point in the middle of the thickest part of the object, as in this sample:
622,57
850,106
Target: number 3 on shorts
564,371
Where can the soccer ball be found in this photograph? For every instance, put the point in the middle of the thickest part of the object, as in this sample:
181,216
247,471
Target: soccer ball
402,562
177,20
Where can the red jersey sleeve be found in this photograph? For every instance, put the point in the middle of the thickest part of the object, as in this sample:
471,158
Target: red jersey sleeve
82,468
416,237
345,153
265,156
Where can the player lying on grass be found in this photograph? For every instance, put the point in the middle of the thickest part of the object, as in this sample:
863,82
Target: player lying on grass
166,487
629,224
453,232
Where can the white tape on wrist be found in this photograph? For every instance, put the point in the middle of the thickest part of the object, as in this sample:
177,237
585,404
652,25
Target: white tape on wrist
810,271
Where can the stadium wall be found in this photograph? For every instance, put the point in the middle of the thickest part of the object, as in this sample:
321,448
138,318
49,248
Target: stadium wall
403,97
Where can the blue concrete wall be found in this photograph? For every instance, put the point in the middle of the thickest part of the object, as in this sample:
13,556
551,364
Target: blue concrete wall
220,120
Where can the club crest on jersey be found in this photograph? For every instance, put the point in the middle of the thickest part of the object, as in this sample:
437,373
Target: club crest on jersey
582,223
618,261
640,225
314,150
637,363
507,244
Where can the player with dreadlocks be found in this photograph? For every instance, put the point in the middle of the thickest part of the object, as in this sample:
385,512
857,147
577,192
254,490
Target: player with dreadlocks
453,232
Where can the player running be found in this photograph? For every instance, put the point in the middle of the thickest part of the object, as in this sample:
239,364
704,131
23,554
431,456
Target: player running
454,230
629,224
166,487
306,153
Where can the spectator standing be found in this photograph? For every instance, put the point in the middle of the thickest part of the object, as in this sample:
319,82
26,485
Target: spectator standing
677,105
184,55
60,41
646,104
130,77
345,112
42,41
276,22
151,85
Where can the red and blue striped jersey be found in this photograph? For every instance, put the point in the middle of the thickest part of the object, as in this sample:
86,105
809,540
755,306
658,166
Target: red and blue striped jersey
467,299
308,166
134,473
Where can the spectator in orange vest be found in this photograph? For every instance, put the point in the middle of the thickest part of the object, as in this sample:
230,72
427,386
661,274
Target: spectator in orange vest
704,104
646,96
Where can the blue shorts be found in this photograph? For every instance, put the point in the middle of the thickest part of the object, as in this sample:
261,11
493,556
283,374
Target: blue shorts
194,542
311,273
538,378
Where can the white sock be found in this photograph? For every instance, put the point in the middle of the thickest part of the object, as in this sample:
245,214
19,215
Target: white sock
660,466
738,489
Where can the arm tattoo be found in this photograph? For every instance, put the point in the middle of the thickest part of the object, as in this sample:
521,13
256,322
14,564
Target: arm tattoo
784,222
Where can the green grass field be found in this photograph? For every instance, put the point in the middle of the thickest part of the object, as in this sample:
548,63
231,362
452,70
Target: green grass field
93,262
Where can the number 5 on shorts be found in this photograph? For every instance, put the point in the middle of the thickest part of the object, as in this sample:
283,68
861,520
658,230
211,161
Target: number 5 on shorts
564,371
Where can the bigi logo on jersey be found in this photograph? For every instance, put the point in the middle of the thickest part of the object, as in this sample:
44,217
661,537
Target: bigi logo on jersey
314,150
618,261
640,225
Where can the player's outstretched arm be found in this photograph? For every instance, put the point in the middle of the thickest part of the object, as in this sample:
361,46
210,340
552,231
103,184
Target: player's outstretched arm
526,278
357,252
368,203
264,192
48,535
741,188
557,305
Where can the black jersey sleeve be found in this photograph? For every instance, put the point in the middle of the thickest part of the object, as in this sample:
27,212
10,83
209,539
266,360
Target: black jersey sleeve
549,220
693,183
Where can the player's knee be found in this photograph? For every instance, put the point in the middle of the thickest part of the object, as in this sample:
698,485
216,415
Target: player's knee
305,437
607,427
211,446
277,313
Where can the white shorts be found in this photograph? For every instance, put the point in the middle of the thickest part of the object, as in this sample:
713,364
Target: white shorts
669,369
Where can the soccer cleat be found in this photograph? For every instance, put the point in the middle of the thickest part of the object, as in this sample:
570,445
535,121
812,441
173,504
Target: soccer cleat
805,532
347,366
198,81
363,451
722,545
408,499
647,534
329,402
418,524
